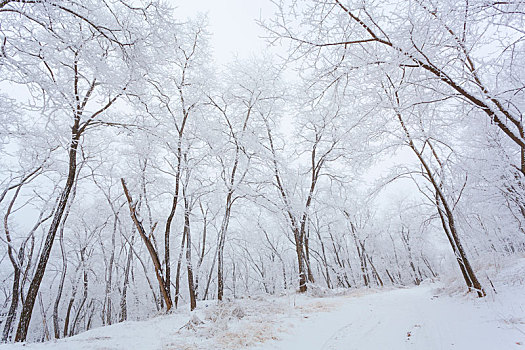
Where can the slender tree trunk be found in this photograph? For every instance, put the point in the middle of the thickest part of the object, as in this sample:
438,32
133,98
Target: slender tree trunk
461,257
297,232
56,325
210,275
406,241
47,337
191,287
429,267
307,256
15,289
167,231
362,258
390,277
340,263
179,263
234,279
220,249
145,270
446,216
109,279
27,309
123,299
15,295
396,257
84,293
325,261
202,252
150,247
378,279
70,308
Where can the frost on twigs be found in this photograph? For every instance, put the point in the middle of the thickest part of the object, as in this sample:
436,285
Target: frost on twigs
234,325
248,336
222,315
225,312
193,324
238,312
318,291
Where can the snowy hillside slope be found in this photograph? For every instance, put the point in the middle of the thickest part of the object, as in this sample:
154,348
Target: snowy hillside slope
431,316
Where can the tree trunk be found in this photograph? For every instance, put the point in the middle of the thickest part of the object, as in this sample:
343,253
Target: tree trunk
109,278
340,263
324,260
150,247
167,231
177,274
123,301
210,275
84,293
14,305
202,251
70,308
446,216
307,256
56,325
191,287
406,241
220,248
300,262
27,309
15,289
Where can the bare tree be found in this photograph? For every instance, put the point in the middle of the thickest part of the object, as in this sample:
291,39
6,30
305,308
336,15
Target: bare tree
444,206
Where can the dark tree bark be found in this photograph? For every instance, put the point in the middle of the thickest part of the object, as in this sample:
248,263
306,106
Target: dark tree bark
296,230
149,246
58,298
56,325
444,209
498,111
70,308
15,262
32,293
167,230
77,131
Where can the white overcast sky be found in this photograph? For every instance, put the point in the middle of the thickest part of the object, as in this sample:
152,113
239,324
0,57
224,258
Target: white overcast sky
232,24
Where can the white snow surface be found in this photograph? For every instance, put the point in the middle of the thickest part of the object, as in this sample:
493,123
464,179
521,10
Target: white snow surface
424,317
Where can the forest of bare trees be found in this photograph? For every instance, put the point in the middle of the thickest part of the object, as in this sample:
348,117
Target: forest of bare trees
137,175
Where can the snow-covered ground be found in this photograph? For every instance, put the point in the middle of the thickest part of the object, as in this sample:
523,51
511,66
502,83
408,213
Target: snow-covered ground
423,317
